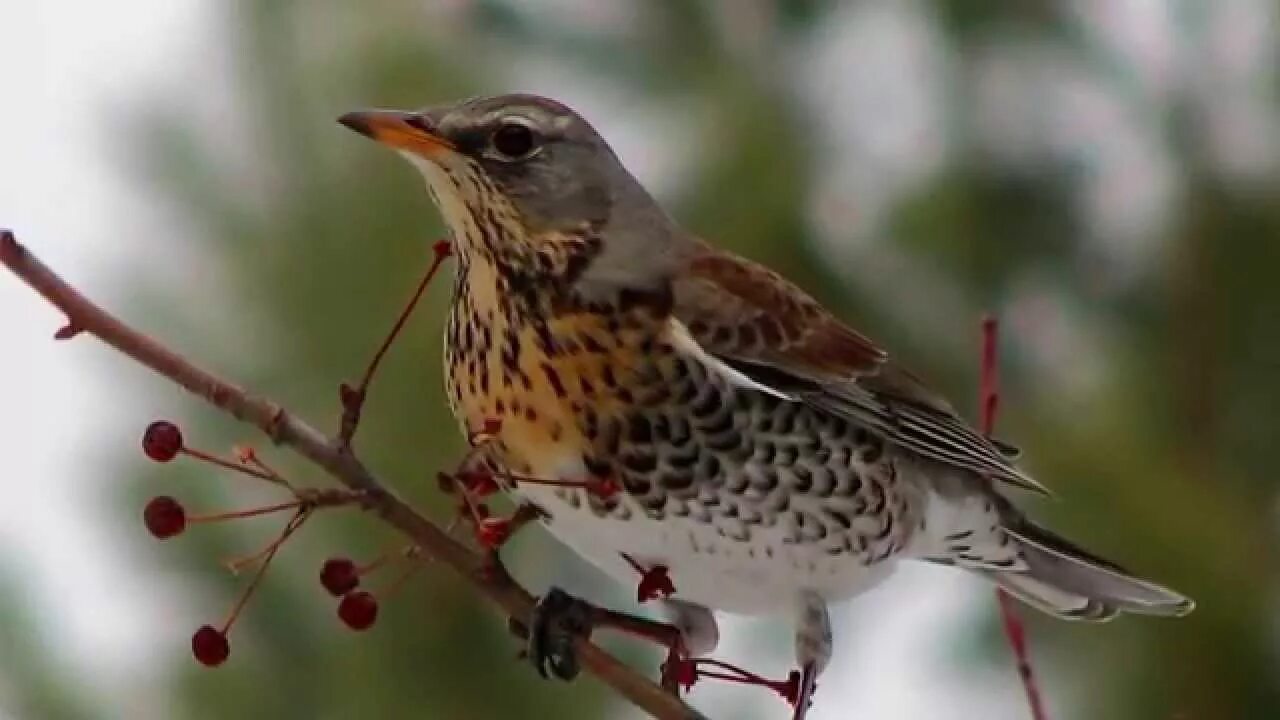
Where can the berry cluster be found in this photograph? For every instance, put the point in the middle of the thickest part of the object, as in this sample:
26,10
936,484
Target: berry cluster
358,608
165,517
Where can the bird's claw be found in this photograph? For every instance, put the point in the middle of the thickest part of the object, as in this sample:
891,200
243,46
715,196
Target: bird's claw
558,620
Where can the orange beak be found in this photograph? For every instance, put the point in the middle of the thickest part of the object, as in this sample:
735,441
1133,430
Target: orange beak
397,129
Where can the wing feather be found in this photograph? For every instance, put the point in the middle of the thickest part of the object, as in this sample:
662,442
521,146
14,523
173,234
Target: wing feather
774,333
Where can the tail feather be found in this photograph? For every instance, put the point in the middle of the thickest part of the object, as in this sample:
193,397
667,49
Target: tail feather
1048,599
1065,580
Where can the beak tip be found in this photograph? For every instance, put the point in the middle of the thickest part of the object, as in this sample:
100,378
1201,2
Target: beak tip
357,121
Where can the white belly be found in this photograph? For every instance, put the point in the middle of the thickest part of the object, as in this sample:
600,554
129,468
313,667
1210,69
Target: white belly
763,575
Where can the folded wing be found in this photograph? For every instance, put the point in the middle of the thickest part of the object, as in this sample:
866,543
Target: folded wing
773,332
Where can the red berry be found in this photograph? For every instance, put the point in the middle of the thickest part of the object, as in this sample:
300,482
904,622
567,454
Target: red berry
164,517
162,441
339,576
604,488
480,483
655,583
358,610
493,532
442,248
210,646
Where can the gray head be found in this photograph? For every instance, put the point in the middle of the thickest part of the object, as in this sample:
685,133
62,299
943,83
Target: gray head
529,169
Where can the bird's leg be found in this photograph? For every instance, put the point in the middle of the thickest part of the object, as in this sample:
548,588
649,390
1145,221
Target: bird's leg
559,619
813,648
352,398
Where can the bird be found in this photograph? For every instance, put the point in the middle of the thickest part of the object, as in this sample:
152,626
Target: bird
772,460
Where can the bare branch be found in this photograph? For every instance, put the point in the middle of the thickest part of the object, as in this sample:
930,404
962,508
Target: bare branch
83,315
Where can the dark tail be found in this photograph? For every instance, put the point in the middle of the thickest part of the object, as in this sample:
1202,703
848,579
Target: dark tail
1065,580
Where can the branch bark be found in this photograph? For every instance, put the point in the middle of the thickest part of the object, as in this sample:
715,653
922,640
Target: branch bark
85,316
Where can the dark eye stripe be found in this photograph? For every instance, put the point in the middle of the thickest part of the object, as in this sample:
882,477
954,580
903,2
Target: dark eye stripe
470,141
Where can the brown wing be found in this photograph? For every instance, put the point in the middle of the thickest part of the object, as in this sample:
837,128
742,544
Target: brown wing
775,333
736,308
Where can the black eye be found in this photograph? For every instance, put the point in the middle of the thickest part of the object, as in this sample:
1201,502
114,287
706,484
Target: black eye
513,140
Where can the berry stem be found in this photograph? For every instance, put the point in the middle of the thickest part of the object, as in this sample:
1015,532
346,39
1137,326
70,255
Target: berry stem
353,398
241,468
251,512
396,584
249,456
596,486
393,553
268,554
1014,630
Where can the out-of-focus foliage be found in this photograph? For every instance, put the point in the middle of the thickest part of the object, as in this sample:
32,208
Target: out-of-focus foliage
1074,169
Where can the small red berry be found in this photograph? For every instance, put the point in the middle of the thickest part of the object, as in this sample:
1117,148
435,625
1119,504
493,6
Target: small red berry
655,583
339,576
358,610
210,646
442,248
164,517
605,487
162,441
493,532
479,483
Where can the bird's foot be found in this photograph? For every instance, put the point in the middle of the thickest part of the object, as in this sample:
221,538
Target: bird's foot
560,619
688,671
808,683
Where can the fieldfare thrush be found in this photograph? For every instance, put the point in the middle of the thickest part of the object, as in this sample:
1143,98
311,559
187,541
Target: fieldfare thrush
771,459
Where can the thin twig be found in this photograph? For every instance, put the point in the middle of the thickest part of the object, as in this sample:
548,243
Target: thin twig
1015,632
353,398
283,428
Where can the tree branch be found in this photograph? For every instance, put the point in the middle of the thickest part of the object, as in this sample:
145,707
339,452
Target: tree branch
83,315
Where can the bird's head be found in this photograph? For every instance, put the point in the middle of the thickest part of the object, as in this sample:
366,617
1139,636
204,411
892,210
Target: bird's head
514,172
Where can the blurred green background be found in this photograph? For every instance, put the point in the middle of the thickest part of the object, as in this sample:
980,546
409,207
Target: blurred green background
1101,175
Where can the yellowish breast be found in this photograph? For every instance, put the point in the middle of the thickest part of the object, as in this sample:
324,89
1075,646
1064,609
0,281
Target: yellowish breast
549,378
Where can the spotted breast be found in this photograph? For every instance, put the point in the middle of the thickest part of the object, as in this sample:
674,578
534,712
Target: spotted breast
741,493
